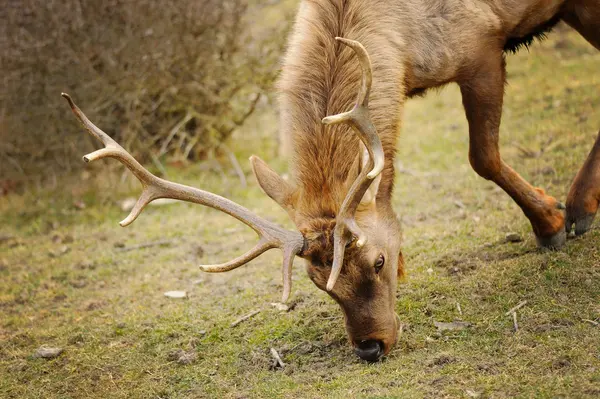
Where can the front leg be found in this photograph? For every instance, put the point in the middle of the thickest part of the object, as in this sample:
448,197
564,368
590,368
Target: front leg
482,94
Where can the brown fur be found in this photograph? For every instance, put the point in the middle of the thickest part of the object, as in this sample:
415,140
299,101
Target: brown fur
414,45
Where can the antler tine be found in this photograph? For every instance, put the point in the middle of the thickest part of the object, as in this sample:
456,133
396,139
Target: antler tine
112,149
270,235
359,119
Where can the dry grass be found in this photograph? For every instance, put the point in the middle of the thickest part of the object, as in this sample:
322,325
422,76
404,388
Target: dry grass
106,307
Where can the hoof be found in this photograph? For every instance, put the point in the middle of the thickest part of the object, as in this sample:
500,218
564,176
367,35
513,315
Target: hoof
582,223
555,241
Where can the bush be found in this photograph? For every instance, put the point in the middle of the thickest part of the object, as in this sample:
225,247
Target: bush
165,79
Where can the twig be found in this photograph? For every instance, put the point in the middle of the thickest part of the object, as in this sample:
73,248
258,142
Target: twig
595,323
515,324
244,318
458,308
236,165
514,309
146,245
277,358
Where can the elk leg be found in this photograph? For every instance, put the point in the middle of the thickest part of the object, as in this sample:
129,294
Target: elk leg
482,95
584,17
584,196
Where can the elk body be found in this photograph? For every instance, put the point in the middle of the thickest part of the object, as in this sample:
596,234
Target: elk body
343,165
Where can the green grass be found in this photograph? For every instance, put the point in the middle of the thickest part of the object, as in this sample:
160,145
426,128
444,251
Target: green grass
106,307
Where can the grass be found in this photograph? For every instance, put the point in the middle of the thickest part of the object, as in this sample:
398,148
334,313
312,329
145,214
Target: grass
65,281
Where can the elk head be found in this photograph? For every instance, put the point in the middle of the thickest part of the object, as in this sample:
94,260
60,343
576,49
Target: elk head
354,255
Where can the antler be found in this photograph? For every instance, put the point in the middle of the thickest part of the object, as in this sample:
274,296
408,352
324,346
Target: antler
360,121
270,235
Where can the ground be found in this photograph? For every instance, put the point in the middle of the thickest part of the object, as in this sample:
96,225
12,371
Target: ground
72,278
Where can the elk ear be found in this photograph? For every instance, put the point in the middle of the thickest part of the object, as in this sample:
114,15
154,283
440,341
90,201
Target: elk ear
401,273
272,184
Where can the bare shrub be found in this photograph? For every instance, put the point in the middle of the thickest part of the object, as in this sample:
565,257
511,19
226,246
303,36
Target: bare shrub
166,79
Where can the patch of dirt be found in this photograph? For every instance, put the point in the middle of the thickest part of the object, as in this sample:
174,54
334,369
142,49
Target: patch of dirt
442,360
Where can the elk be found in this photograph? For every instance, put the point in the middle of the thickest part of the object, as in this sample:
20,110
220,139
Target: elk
343,165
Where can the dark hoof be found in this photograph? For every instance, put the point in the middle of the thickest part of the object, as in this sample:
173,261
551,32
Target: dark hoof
555,241
582,224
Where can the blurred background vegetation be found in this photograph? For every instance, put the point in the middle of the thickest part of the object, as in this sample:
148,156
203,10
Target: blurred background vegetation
171,81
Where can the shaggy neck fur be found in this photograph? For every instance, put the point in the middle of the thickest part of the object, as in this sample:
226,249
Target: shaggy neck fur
321,77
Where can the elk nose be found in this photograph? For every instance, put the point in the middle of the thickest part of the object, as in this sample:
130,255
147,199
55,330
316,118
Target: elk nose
370,350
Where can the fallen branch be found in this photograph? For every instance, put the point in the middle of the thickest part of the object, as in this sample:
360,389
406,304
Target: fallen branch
244,318
514,309
515,324
278,361
593,322
458,308
146,245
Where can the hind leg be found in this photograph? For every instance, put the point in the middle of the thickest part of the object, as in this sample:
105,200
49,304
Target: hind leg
584,195
584,17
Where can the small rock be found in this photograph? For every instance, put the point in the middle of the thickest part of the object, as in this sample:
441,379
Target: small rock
280,306
55,253
79,204
472,394
452,326
513,237
176,294
47,352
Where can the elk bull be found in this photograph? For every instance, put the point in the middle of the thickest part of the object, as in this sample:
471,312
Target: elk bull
343,165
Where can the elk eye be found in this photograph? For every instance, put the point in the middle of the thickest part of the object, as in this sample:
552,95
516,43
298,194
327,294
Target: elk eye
379,264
